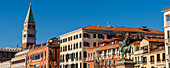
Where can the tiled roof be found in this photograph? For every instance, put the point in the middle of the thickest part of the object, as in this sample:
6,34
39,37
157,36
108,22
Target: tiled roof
166,9
105,41
136,42
155,40
123,29
105,45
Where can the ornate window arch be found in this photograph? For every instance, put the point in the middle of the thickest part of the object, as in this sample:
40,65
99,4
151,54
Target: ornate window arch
5,55
10,55
0,54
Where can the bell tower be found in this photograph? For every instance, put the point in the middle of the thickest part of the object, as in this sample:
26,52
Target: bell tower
29,31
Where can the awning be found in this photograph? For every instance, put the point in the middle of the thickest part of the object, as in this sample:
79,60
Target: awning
137,66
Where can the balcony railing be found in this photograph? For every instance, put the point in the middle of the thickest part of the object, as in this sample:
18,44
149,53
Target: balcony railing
90,58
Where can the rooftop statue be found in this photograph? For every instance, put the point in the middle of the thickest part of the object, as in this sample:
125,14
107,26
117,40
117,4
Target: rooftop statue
125,46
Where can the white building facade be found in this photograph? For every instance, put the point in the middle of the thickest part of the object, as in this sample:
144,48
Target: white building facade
167,34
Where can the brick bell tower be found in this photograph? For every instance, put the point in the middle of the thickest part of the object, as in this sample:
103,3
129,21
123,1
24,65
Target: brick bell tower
29,31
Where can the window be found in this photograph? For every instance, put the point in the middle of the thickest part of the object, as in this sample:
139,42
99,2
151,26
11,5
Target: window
132,50
31,35
5,55
152,59
76,45
158,57
94,44
71,37
0,54
136,59
85,35
109,62
144,59
105,63
113,61
76,36
60,49
79,35
137,48
10,55
93,54
24,35
68,47
86,44
88,65
80,44
88,54
94,35
108,36
163,57
61,41
168,34
100,36
167,18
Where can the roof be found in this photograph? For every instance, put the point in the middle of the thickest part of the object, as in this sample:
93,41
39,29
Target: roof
126,29
30,17
155,40
166,9
10,49
136,42
105,41
106,45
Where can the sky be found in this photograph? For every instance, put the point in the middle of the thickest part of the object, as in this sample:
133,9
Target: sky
56,17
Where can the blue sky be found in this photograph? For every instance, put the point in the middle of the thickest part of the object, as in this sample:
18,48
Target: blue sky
56,17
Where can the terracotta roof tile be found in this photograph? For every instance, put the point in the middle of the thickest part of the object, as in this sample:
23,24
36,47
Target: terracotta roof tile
136,42
123,29
155,40
166,9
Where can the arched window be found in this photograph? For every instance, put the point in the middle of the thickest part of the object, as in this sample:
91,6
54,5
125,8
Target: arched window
5,55
10,55
50,66
0,54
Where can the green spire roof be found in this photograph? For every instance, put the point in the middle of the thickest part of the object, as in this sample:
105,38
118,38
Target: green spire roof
30,17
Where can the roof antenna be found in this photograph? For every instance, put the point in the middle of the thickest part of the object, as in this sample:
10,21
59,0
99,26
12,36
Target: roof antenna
108,23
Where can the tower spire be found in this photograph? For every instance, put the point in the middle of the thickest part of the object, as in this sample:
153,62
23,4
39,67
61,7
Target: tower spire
29,17
29,31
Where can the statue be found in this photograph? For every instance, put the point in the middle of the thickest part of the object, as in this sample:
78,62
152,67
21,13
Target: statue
125,46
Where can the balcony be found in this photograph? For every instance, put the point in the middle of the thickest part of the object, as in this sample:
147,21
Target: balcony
140,52
90,58
19,58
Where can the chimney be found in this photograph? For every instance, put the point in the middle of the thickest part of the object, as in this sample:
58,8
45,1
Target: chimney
17,46
144,28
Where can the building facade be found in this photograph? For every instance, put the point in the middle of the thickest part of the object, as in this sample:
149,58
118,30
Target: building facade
148,53
104,55
20,60
76,42
6,64
45,55
166,14
7,53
